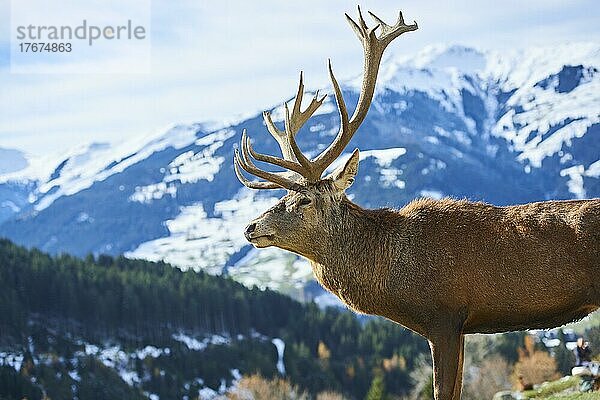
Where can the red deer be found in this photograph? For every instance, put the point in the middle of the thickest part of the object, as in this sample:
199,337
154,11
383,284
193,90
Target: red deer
442,268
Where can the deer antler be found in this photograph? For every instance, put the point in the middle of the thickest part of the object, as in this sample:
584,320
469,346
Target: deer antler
373,51
293,159
296,120
274,180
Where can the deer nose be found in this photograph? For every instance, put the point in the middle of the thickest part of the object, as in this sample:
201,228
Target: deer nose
250,228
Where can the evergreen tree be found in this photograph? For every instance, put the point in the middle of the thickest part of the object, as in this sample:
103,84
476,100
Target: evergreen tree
377,389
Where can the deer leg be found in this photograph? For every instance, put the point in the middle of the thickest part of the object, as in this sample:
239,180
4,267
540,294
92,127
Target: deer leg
447,352
459,374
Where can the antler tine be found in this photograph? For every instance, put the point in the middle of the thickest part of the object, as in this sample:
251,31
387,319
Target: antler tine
251,184
247,165
288,120
299,95
291,137
273,130
361,21
374,47
287,164
293,158
298,117
294,122
388,32
355,26
279,136
379,20
343,137
363,32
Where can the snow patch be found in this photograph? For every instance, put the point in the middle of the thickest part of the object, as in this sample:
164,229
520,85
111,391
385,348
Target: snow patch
390,177
207,393
75,376
115,358
235,373
280,346
383,157
149,193
9,204
11,360
199,345
202,243
151,351
593,170
543,109
576,175
188,167
272,268
328,300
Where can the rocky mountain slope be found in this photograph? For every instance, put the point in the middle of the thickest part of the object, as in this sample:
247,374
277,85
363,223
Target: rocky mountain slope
451,121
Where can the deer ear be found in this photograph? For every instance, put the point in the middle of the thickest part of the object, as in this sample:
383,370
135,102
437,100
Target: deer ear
343,176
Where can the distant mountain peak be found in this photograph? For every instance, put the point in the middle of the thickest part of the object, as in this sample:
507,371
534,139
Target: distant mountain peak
468,60
12,160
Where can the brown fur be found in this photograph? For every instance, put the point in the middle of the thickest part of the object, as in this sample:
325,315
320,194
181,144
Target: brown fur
445,268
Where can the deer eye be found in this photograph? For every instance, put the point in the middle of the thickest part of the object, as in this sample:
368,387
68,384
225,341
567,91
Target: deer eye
304,201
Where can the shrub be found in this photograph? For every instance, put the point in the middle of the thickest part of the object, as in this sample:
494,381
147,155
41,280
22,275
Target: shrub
490,377
535,366
255,387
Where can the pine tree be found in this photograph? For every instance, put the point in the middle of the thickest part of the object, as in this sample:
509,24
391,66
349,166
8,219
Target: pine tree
377,389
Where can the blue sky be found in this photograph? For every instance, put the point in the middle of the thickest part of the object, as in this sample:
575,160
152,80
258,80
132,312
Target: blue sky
218,60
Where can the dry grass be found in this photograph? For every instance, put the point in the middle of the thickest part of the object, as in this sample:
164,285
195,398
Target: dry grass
255,387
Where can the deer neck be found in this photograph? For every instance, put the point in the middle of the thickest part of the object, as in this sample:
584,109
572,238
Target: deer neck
354,257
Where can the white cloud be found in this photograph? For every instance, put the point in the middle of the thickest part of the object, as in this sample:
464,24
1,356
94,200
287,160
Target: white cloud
212,60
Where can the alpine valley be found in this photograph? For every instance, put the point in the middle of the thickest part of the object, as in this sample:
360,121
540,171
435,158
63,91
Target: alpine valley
502,127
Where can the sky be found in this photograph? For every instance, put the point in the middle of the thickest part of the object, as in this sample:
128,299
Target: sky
220,60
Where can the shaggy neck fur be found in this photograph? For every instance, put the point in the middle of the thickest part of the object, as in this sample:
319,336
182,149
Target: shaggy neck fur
354,254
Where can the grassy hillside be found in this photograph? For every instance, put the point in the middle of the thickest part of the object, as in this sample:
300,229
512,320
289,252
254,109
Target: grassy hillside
566,388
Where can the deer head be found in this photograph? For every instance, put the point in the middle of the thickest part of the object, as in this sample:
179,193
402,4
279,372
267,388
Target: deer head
302,220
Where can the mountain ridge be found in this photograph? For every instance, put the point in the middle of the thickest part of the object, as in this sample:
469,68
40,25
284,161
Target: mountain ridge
503,127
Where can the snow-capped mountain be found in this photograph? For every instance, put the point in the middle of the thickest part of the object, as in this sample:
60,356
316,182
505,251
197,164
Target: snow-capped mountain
451,121
13,194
